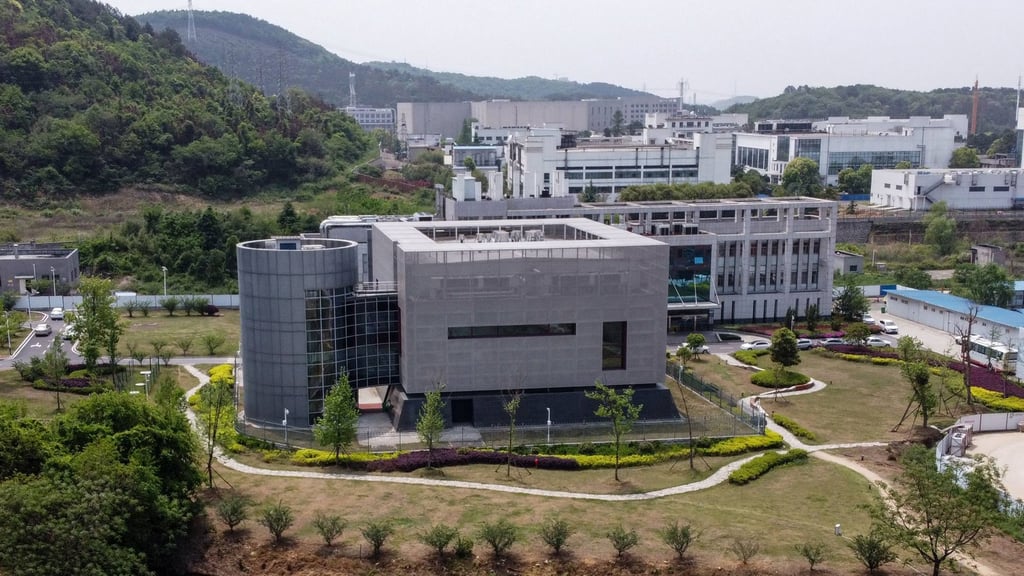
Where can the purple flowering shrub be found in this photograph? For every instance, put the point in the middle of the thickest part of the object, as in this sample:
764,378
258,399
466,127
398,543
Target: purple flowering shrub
443,457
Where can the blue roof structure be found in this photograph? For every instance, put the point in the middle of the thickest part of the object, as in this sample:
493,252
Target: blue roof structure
957,304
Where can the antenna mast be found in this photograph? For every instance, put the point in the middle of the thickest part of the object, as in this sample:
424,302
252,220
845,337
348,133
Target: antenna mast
352,89
190,35
974,109
683,85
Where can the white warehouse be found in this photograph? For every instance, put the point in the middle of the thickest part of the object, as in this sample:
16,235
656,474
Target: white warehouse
960,189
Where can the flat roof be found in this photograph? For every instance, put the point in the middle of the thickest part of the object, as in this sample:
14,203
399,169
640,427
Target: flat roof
555,233
961,305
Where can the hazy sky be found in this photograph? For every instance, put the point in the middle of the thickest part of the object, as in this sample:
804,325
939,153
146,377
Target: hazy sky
722,47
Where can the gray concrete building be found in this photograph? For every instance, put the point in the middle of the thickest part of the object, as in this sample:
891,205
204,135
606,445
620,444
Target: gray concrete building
23,262
544,307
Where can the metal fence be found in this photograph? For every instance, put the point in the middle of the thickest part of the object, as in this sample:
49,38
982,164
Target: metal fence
753,419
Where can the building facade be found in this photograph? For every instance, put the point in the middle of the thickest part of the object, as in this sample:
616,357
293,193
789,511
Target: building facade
960,189
739,260
27,261
370,119
546,308
547,163
839,143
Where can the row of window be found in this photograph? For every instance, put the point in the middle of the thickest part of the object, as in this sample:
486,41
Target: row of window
511,331
983,188
632,173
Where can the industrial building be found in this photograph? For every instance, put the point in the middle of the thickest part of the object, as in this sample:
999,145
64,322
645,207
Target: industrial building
21,263
960,189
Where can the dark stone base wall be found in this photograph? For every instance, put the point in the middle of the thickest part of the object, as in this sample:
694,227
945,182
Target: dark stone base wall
567,407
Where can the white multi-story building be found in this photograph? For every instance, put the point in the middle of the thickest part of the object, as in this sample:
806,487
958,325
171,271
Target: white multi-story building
544,162
370,119
960,189
841,142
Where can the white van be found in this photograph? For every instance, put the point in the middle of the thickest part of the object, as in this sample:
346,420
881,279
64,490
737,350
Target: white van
889,327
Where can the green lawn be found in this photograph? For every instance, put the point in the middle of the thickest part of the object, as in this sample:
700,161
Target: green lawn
176,330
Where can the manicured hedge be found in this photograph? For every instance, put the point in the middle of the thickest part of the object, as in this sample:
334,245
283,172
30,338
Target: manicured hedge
749,356
997,401
410,461
222,372
767,379
744,444
359,460
82,386
791,425
760,466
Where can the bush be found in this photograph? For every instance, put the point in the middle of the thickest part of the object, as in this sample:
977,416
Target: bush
210,310
873,550
277,518
376,533
622,540
749,356
438,538
769,379
744,444
679,537
463,547
745,550
760,466
410,461
789,424
555,532
233,510
329,527
500,536
356,460
813,552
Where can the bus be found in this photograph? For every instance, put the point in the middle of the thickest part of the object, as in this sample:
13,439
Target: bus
994,354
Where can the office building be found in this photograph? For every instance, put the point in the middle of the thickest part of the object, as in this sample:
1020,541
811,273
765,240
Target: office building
960,189
371,119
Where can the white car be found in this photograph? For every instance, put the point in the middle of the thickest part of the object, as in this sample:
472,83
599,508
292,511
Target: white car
867,319
888,326
42,330
804,343
831,342
877,342
756,345
702,349
68,333
57,314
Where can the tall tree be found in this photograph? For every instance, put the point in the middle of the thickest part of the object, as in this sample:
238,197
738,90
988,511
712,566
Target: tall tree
964,157
215,403
338,426
618,407
935,512
940,229
511,407
801,178
95,319
922,395
55,364
856,181
784,350
987,285
618,124
288,220
430,424
850,304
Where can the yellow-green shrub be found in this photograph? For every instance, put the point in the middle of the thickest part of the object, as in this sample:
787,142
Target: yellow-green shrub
743,444
759,466
749,356
791,425
313,457
767,379
885,361
997,401
222,373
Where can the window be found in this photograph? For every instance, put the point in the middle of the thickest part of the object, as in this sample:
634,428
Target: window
1000,188
511,331
976,189
613,346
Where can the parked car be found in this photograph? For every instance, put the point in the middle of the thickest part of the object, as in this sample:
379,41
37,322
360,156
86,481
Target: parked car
877,342
68,333
888,326
756,345
804,343
867,319
831,341
42,330
57,314
702,349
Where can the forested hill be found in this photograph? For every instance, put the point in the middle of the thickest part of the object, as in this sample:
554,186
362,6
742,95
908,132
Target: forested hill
527,88
996,109
270,56
92,101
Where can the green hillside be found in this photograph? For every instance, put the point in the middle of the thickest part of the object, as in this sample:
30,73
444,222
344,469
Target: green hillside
527,88
92,101
995,111
271,57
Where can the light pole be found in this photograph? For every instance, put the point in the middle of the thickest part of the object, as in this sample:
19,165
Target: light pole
53,283
285,424
164,269
146,374
7,328
549,425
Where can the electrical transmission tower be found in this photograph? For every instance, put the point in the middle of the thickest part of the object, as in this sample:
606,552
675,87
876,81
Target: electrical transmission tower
190,35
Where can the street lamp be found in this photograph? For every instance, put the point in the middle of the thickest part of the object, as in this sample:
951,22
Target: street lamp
53,281
164,269
7,328
146,374
549,425
285,424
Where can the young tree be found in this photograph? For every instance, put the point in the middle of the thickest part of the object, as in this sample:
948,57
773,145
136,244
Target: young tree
171,304
858,333
430,424
696,342
95,319
439,537
619,409
338,426
814,552
684,354
784,351
679,537
214,402
850,304
212,341
376,533
184,343
921,393
935,513
940,229
910,349
812,316
622,540
329,527
233,509
500,536
511,407
55,364
873,550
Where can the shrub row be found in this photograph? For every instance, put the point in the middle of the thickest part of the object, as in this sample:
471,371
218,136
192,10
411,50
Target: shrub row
749,356
760,466
791,425
997,401
222,372
769,379
410,461
82,386
358,460
744,444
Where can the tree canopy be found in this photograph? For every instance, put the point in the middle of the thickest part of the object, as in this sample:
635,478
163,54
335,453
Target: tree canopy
989,285
801,178
97,102
964,158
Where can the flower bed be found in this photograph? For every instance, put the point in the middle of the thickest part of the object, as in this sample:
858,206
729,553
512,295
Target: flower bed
84,386
443,457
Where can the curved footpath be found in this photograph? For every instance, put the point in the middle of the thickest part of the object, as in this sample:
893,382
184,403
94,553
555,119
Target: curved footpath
721,475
